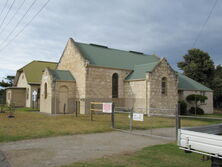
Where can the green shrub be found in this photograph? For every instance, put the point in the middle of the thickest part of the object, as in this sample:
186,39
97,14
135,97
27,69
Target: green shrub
2,107
198,111
196,98
183,107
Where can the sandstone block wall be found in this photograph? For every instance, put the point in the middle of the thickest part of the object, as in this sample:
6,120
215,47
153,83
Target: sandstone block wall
135,95
56,97
157,102
46,103
99,82
99,85
57,106
73,61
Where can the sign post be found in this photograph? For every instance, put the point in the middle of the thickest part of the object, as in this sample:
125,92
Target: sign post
113,115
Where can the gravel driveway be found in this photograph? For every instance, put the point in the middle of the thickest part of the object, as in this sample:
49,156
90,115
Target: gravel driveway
56,151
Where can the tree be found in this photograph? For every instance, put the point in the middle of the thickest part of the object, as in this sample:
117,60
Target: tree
198,65
217,86
7,82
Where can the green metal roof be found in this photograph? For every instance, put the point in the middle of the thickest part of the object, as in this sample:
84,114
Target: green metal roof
33,71
138,62
114,58
62,75
139,71
186,83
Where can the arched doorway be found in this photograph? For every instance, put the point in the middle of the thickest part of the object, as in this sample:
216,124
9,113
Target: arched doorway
63,99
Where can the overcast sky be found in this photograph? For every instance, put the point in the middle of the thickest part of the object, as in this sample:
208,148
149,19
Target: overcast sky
167,28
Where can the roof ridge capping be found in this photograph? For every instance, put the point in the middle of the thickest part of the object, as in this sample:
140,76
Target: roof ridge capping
106,47
155,62
102,46
45,61
136,52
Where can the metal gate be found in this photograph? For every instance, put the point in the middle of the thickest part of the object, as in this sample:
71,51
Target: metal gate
153,124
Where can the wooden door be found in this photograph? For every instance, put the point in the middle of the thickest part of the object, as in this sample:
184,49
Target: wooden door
63,100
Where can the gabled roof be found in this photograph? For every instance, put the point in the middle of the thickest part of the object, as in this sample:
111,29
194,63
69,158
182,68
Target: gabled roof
33,71
139,63
139,71
62,75
106,57
186,83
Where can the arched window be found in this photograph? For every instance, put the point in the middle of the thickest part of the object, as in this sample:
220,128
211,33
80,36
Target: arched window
45,90
115,85
164,86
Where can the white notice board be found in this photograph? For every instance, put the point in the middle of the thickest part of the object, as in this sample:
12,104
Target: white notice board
138,117
107,107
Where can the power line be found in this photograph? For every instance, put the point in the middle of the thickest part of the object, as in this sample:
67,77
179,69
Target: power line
13,16
27,24
7,13
16,26
204,24
3,8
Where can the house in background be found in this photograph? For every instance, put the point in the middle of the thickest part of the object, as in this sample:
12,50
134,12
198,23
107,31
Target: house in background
27,79
92,72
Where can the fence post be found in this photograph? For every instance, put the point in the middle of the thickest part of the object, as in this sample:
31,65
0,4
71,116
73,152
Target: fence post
131,119
113,115
77,106
178,125
64,108
91,112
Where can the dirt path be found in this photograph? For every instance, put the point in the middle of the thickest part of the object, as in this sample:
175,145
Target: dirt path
56,151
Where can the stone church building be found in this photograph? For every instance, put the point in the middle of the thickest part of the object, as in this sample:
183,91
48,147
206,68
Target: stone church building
91,72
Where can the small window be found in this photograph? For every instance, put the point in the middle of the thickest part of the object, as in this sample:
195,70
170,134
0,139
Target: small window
164,86
115,85
45,90
180,92
27,93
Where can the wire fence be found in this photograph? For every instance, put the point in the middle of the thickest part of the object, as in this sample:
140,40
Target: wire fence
153,124
160,125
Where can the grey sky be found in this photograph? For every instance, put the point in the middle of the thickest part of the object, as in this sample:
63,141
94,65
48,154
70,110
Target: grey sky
167,28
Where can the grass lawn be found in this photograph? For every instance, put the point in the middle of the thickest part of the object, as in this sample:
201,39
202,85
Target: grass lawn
28,124
167,155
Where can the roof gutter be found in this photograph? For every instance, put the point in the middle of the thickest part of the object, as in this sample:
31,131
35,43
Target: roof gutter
92,65
195,90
